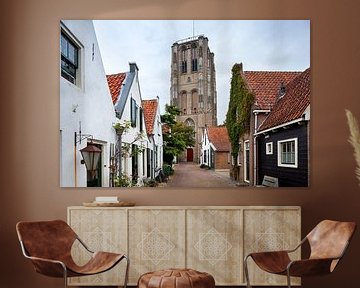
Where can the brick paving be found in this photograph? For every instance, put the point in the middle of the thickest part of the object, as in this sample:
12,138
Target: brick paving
188,174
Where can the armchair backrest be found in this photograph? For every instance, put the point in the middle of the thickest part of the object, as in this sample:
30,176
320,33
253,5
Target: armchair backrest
329,239
46,239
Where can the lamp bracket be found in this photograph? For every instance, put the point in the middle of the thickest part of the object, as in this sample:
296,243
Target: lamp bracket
80,137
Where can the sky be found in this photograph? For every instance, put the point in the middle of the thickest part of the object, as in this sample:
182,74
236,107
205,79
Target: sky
261,45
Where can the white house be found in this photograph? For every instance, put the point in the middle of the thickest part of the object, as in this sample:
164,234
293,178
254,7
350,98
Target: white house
126,98
206,150
154,131
86,111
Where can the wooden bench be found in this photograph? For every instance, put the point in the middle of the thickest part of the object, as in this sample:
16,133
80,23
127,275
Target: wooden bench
269,181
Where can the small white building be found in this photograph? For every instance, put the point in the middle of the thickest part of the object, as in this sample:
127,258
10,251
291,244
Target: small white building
154,131
85,106
207,149
126,98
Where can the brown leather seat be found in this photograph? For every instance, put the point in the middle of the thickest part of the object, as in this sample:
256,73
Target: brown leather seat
176,278
328,242
48,245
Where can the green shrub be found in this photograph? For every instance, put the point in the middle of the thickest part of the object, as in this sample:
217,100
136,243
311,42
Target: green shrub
123,181
168,170
150,182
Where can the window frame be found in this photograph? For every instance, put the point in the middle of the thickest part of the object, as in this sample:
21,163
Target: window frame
269,148
141,116
133,112
280,144
65,71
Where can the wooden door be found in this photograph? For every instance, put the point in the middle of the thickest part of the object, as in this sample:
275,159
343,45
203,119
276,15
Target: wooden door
189,155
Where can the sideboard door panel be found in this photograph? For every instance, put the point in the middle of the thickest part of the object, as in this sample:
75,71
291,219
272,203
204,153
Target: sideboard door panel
214,244
101,230
269,230
156,240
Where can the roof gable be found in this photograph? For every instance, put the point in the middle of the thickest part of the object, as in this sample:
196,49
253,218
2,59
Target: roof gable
292,105
115,82
265,85
150,108
219,137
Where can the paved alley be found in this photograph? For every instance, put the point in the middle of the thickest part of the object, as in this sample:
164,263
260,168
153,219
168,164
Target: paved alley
188,174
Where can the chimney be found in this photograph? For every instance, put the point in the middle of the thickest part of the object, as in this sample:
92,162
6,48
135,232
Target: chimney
133,67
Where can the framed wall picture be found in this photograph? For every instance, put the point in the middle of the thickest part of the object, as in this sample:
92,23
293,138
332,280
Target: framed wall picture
184,103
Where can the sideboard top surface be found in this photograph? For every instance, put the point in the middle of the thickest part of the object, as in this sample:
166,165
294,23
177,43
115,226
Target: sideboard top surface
193,207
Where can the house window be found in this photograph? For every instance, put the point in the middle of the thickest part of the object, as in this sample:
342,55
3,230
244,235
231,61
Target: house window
133,109
141,120
269,148
205,156
288,153
69,58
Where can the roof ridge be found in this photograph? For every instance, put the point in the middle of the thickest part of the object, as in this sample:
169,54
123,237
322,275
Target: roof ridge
116,74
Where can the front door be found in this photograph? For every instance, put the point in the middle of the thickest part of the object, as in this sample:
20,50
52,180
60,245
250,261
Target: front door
189,155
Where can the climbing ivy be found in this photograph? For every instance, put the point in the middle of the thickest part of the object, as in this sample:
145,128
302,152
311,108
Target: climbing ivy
238,114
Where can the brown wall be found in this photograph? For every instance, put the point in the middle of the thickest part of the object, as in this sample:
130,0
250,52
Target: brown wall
29,111
221,160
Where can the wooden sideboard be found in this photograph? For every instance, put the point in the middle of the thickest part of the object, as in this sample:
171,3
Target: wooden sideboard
211,239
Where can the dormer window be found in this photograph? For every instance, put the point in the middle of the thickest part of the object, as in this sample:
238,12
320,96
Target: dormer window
282,90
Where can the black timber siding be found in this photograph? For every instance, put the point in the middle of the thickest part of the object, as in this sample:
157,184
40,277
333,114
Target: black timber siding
267,164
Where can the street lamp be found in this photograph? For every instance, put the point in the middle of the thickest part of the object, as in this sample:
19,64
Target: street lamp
91,156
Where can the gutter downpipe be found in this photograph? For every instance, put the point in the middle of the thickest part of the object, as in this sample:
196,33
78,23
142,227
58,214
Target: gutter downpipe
255,151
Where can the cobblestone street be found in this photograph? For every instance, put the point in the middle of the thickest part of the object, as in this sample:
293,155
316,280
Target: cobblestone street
188,174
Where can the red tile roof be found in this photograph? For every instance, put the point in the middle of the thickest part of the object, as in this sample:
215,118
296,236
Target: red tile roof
266,84
115,82
149,108
292,105
219,137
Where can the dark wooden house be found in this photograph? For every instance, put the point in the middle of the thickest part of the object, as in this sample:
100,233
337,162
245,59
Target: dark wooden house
283,138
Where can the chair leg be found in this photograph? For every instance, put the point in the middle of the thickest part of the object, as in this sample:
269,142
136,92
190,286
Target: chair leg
246,272
288,278
127,271
65,275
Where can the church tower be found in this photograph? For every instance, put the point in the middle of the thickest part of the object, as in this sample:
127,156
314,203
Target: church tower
193,88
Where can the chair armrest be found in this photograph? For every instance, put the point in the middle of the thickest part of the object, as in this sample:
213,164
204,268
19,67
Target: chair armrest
309,267
48,267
